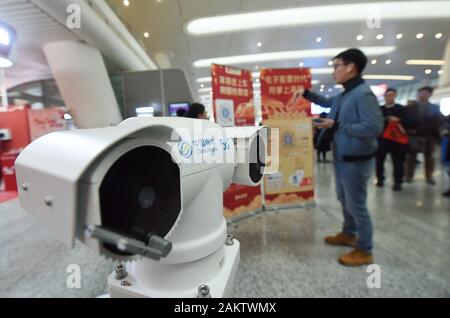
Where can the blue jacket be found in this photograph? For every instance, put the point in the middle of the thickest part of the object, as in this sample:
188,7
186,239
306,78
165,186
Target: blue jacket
359,122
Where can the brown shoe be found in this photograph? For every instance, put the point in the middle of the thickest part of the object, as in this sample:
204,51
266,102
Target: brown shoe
343,239
356,257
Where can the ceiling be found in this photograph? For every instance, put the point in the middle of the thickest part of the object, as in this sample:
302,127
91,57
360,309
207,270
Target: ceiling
165,21
34,28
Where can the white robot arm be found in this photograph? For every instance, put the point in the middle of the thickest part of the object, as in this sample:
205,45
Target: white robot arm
148,191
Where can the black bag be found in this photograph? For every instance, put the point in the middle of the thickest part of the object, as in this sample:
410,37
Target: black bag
417,144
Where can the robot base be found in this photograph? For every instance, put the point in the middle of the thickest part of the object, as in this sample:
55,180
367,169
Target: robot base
151,279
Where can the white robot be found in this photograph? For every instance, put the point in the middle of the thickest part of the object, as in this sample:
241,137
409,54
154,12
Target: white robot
148,193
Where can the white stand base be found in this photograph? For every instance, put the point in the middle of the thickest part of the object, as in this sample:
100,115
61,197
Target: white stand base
150,279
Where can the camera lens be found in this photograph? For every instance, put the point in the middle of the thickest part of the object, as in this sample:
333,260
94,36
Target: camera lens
141,194
146,197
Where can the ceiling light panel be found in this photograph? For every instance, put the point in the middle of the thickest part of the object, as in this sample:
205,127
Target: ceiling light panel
343,13
425,62
389,77
288,55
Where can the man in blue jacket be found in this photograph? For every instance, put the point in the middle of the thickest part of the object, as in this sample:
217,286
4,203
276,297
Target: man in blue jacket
357,122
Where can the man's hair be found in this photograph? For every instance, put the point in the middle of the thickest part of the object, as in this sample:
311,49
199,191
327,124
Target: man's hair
426,88
194,110
391,90
354,56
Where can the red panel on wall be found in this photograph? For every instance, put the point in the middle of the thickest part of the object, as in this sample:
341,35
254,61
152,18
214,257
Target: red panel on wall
16,120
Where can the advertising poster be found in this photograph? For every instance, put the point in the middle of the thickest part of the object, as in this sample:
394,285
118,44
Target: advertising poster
233,106
232,96
293,184
47,120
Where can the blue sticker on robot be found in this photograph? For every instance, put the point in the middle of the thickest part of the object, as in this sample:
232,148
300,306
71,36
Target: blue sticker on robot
185,149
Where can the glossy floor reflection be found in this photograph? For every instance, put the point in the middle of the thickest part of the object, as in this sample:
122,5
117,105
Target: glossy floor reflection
282,253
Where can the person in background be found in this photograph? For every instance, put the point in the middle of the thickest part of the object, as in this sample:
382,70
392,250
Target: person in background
356,121
446,153
427,120
181,112
322,141
393,114
197,111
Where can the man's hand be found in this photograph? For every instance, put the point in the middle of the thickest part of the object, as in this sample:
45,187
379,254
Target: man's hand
298,94
291,104
325,123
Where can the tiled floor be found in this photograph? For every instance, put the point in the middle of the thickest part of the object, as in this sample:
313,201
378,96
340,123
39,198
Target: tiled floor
282,253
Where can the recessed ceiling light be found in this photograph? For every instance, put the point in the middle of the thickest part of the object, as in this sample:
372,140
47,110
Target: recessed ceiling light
321,90
373,62
419,35
440,72
389,77
425,62
126,3
330,90
428,71
146,34
351,12
360,37
202,86
380,36
301,64
204,90
438,35
388,62
399,36
289,55
322,86
330,63
315,82
259,44
5,38
257,80
319,39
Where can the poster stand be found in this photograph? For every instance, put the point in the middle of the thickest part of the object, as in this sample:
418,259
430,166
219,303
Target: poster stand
293,185
233,107
271,208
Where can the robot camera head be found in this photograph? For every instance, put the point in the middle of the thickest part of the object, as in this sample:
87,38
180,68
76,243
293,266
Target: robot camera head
148,187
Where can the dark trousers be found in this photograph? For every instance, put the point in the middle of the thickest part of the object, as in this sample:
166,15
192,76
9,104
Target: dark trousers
321,155
429,161
398,154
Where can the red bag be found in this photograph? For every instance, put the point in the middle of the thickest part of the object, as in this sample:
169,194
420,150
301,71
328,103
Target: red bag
394,131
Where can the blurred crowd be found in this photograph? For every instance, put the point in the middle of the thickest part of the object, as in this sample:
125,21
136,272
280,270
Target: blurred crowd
412,136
